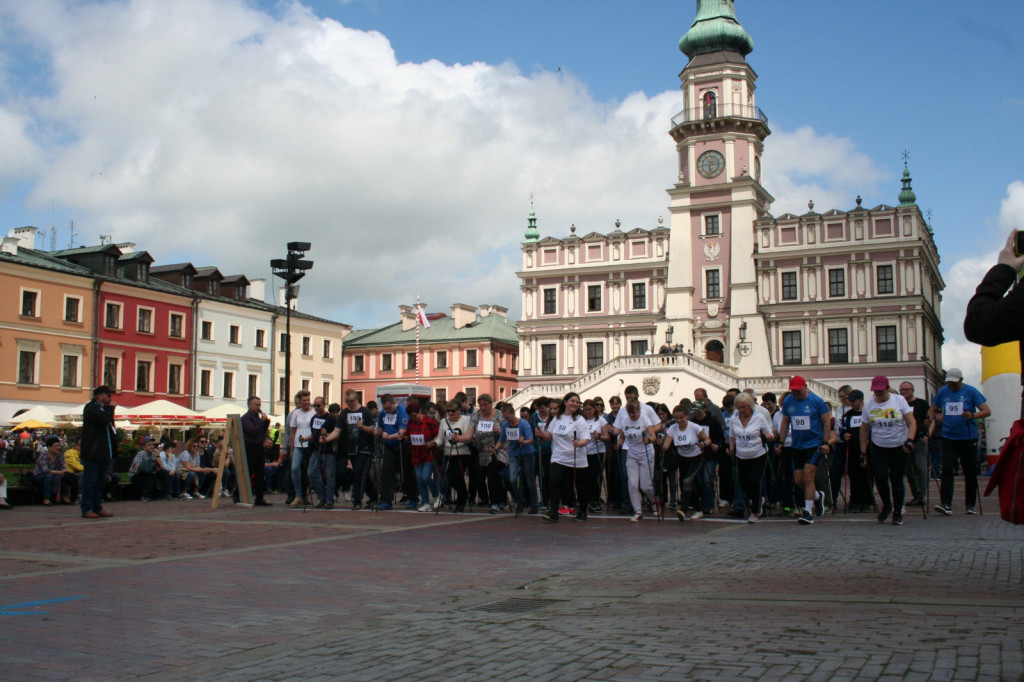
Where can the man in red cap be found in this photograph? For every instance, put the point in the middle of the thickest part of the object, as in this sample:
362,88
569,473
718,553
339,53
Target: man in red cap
811,422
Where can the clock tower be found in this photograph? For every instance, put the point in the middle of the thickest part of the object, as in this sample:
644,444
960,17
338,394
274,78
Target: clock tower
711,293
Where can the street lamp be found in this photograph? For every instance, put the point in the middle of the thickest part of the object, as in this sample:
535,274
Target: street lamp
291,269
744,347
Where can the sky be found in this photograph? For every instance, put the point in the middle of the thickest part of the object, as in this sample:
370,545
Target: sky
404,138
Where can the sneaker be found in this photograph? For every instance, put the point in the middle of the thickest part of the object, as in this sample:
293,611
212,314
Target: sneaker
806,518
550,517
495,509
425,508
971,510
565,511
819,503
637,518
897,519
752,518
944,509
297,502
437,503
384,506
186,496
883,515
723,504
411,504
681,515
916,502
198,495
695,516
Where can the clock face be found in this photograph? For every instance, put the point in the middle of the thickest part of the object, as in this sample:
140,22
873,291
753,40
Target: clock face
711,164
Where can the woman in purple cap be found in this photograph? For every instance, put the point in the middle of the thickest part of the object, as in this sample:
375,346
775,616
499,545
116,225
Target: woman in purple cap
888,421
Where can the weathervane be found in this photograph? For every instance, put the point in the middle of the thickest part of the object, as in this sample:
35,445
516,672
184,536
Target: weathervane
906,157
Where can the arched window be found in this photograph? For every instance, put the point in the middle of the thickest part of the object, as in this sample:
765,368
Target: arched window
714,351
710,101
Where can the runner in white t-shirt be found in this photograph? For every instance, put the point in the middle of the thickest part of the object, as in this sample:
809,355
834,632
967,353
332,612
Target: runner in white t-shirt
748,432
569,435
689,440
889,423
637,431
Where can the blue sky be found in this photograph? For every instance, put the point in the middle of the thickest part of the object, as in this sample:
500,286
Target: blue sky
216,130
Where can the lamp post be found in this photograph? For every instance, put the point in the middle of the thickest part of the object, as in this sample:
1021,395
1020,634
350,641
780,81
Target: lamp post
291,269
743,346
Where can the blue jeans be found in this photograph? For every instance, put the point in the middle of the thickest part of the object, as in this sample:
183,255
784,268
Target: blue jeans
426,481
50,484
93,479
522,471
317,479
706,478
298,458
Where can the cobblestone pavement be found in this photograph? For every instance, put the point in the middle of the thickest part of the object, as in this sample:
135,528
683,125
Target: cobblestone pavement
176,590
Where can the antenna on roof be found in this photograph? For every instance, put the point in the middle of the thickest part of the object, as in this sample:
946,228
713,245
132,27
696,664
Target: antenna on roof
71,241
105,239
53,238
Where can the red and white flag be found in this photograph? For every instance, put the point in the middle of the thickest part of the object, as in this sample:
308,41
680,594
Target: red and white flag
421,317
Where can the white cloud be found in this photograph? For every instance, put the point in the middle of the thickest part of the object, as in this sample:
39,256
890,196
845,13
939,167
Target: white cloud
209,131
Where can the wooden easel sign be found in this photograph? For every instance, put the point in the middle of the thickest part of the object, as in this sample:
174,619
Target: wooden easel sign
233,441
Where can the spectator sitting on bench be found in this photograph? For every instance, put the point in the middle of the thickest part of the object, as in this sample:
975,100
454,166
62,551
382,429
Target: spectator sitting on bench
72,459
49,473
145,472
169,462
192,469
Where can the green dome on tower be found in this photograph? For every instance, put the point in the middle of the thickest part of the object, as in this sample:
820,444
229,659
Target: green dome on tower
907,196
532,233
715,30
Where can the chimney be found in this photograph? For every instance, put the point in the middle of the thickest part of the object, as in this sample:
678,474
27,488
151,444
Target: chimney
26,236
463,315
258,289
126,247
485,310
10,246
500,310
407,316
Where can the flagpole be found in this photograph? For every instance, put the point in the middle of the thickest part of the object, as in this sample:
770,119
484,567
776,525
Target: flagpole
417,338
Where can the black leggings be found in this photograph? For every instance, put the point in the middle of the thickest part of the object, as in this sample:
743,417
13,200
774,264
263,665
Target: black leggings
562,484
751,473
888,465
457,467
967,452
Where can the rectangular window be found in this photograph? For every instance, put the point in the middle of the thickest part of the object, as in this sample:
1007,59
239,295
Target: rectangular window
639,296
550,301
637,347
327,349
26,367
69,375
205,382
305,384
385,362
792,349
281,389
306,346
885,281
177,326
282,342
174,379
206,330
595,354
789,292
711,226
838,346
229,384
836,283
234,334
441,359
29,301
471,360
72,309
548,358
325,391
261,341
410,361
112,319
440,395
471,394
357,364
885,338
713,283
110,372
143,383
594,298
145,321
254,385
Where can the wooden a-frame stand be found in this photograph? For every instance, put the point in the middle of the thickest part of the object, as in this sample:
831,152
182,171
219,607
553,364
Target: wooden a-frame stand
233,440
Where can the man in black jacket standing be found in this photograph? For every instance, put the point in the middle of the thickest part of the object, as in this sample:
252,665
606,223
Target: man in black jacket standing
98,450
254,433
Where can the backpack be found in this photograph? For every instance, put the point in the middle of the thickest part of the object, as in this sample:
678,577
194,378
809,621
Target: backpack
1008,476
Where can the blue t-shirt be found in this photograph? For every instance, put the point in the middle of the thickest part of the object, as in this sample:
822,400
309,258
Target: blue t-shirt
952,404
393,423
805,420
515,435
543,445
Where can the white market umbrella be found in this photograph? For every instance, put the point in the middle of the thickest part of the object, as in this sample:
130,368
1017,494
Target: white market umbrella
39,413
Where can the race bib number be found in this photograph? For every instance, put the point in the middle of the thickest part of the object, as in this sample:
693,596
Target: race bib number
417,439
855,422
955,409
682,439
562,429
485,425
634,436
511,434
801,423
885,423
391,419
355,418
746,437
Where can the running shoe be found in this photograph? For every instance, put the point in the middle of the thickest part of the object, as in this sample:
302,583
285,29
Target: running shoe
806,518
681,515
384,506
897,519
696,516
819,503
971,511
883,515
752,518
637,518
944,509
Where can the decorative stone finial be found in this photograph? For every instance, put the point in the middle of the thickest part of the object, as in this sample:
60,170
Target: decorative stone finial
810,205
572,228
859,200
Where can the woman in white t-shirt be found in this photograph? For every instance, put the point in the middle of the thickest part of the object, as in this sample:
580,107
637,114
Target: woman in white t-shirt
888,421
748,431
638,434
687,440
569,435
599,430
